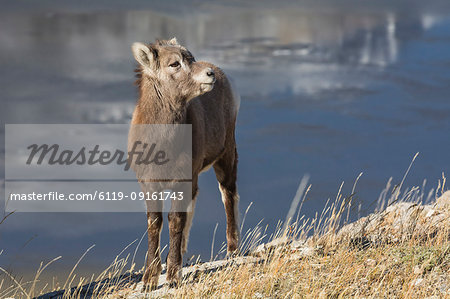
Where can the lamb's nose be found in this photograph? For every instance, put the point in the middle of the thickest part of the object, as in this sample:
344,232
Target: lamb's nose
210,73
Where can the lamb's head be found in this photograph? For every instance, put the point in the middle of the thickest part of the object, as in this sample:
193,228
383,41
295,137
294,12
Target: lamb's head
173,69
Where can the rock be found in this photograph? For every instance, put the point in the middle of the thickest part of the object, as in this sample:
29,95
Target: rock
443,202
298,249
274,244
399,222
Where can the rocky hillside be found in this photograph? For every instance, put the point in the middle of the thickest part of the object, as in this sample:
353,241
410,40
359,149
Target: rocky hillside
403,251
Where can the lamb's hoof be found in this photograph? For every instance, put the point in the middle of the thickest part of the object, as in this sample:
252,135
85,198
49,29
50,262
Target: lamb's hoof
232,253
174,275
150,279
173,284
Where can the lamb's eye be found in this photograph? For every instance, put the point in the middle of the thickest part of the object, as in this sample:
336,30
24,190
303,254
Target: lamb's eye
175,64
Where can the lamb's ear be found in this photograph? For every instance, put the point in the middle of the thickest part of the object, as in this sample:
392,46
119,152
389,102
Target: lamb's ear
143,55
173,42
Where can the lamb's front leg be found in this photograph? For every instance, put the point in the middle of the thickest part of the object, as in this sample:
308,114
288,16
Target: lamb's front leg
153,268
177,222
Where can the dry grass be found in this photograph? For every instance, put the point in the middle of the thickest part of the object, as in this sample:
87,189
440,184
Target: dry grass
402,270
412,268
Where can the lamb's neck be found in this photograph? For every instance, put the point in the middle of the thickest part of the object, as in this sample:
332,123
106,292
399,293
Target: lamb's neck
157,107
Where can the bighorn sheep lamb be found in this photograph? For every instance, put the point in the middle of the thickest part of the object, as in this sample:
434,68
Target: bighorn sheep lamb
176,89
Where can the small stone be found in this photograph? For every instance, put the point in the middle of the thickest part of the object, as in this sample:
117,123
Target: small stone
371,262
431,213
258,295
417,270
417,282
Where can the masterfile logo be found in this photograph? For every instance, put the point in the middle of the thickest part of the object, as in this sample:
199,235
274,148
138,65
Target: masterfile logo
53,168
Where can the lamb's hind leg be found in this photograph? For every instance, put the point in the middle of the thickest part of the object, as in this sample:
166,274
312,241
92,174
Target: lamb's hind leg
226,173
189,217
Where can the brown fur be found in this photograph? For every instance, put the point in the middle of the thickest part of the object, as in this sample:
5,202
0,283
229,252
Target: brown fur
179,97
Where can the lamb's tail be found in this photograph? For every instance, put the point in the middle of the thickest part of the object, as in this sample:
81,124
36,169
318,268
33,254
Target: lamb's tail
236,95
